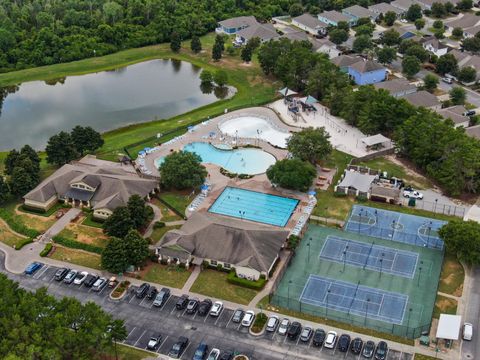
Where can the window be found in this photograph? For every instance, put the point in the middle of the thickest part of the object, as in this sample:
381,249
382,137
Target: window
213,262
227,266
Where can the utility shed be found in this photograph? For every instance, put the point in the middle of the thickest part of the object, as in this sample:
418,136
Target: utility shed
449,327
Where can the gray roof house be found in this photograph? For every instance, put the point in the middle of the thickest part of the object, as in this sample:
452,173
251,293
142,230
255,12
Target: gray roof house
473,131
358,12
434,46
355,183
264,32
323,46
404,5
455,113
397,87
383,8
333,17
234,25
465,59
310,24
465,22
423,98
250,248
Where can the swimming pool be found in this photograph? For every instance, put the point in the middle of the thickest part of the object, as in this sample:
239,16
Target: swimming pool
254,206
255,127
239,161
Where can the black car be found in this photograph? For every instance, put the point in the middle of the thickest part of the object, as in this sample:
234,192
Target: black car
61,273
238,315
192,306
381,352
142,290
178,348
368,349
152,292
356,345
70,276
204,307
294,330
318,337
226,355
344,343
162,297
182,302
90,280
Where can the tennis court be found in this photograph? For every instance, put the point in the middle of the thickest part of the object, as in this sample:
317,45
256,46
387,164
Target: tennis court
370,256
395,226
355,299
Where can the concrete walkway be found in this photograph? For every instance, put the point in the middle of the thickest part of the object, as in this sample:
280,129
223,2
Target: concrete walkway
60,224
193,277
157,215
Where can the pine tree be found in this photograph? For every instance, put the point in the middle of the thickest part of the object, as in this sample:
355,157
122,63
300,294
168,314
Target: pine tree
175,42
195,44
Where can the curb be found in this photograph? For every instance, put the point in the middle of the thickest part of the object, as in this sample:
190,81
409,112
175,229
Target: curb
122,295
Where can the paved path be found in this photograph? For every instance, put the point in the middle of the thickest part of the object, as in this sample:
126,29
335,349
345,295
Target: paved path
157,215
60,224
191,279
471,312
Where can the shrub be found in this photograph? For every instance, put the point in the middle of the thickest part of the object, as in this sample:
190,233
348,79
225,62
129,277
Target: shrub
120,289
292,241
339,194
158,225
70,243
23,243
46,250
259,323
232,278
16,225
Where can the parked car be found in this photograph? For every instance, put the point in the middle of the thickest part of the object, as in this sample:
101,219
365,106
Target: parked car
142,290
154,342
238,315
99,284
412,194
318,337
192,306
152,292
344,342
306,334
368,349
162,297
226,355
330,340
201,352
214,354
447,80
381,351
272,323
80,278
33,268
216,309
204,307
469,113
356,346
178,348
61,273
90,280
182,302
467,331
70,276
283,327
294,330
112,282
248,318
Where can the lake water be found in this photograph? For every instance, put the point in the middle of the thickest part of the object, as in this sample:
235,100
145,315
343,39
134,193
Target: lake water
158,89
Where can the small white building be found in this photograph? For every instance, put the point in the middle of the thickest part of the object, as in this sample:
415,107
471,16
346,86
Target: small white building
435,46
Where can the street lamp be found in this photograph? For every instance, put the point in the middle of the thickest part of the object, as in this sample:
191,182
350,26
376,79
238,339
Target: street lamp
326,308
308,246
366,312
436,201
345,257
360,220
381,264
288,293
419,274
408,320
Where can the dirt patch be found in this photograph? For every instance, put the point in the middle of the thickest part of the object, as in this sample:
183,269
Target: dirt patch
445,304
410,170
449,280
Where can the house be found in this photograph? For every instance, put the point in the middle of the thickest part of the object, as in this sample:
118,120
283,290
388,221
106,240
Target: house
251,249
465,59
234,25
310,24
468,23
404,5
264,32
357,12
424,99
456,114
397,88
382,8
473,131
323,46
333,17
90,182
355,183
360,70
385,193
471,31
433,45
428,3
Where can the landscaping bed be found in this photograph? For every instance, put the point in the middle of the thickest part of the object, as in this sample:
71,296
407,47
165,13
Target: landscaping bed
444,305
259,323
120,290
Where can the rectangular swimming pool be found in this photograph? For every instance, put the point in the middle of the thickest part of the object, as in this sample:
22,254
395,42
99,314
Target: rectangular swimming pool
254,206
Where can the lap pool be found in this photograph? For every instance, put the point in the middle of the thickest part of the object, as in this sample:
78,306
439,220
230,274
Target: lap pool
254,206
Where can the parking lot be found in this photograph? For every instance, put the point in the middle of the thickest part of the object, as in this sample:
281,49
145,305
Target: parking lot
143,320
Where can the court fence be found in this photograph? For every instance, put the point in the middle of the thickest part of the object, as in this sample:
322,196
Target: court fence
436,207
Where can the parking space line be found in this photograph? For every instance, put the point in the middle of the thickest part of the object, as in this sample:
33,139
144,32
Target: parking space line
231,317
141,302
218,317
239,325
185,351
161,344
133,297
130,332
174,308
298,340
41,272
165,303
184,312
136,342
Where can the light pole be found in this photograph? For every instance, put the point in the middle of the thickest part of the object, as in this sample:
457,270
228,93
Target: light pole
419,274
345,257
408,320
381,264
326,308
436,202
359,220
288,293
308,246
366,312
393,228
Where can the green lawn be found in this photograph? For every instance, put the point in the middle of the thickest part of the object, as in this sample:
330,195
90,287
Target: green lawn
167,214
9,238
85,234
48,213
214,283
90,221
178,200
331,206
167,275
452,276
77,257
444,305
158,233
125,352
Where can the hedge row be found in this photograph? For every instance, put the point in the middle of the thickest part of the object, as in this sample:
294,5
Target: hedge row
232,278
16,225
70,243
46,250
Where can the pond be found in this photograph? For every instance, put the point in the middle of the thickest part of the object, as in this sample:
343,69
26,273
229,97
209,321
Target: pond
152,90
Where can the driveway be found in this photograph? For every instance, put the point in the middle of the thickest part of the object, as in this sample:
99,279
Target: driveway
436,202
61,223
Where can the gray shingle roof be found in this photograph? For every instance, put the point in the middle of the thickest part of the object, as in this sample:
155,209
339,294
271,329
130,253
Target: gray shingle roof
473,131
395,86
359,11
383,8
365,66
455,113
238,22
466,21
422,98
310,21
356,180
335,16
264,32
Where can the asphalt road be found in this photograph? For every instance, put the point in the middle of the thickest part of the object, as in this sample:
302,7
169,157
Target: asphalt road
472,314
143,321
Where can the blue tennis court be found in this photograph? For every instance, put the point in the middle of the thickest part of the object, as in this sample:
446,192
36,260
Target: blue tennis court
395,226
370,256
354,299
254,206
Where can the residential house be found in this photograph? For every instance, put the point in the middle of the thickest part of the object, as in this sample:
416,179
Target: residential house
404,5
310,24
323,46
362,71
333,17
251,249
357,12
382,8
264,32
433,45
468,23
471,31
90,182
234,25
473,131
456,114
465,59
397,87
424,99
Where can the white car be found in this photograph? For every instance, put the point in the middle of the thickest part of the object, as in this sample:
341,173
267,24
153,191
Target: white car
412,194
404,21
272,323
214,354
330,340
216,309
248,318
467,331
283,328
447,80
154,342
80,278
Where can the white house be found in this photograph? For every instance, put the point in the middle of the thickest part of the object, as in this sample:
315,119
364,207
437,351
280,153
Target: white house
310,24
434,46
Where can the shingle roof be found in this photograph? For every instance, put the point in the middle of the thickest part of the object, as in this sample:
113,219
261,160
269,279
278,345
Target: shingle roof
433,41
264,32
344,60
422,98
310,21
359,11
359,181
405,4
466,21
365,66
240,21
473,131
395,86
455,113
335,16
383,8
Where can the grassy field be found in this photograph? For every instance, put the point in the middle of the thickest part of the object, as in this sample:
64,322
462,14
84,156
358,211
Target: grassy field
77,257
167,214
32,221
7,237
166,275
214,283
178,200
85,234
452,276
444,305
125,352
158,233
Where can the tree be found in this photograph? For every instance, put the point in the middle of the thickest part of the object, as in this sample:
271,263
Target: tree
386,55
310,144
458,95
10,161
391,37
410,66
182,170
115,257
195,44
21,182
447,64
217,52
246,54
438,10
338,36
431,82
366,29
175,42
471,44
419,52
140,212
4,190
419,24
457,32
292,174
439,34
295,10
362,43
137,248
414,12
206,77
86,139
390,18
119,223
220,77
28,151
465,4
220,41
61,149
438,24
467,74
463,239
